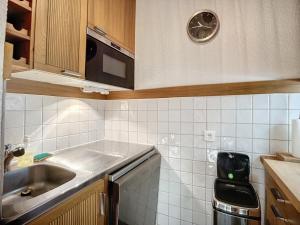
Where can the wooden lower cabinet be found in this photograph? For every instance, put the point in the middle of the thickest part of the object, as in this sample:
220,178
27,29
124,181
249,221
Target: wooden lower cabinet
83,208
279,210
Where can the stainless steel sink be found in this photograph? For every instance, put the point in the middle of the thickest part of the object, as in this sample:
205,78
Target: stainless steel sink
47,183
27,183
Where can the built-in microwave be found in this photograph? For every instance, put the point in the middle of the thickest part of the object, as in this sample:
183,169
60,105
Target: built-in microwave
108,63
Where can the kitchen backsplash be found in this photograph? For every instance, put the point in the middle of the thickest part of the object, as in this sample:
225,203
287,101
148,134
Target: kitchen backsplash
51,123
251,124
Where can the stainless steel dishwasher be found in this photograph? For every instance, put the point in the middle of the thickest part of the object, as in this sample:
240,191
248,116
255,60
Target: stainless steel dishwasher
133,192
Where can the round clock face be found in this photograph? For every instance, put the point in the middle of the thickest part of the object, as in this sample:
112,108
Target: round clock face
203,26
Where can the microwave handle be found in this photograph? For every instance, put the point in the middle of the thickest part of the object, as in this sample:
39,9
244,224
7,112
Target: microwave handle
99,31
70,73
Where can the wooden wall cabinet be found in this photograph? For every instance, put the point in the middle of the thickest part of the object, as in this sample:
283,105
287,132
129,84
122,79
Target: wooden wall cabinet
60,36
116,18
83,208
279,209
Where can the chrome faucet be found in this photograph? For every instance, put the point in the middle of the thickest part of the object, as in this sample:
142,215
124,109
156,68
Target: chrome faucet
10,153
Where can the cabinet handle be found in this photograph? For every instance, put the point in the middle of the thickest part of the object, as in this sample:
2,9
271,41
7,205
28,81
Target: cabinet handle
277,214
277,195
99,31
70,73
102,203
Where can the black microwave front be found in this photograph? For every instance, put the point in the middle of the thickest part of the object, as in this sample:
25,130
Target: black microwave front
107,62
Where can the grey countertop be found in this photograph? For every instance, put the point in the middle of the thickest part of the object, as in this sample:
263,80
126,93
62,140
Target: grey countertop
90,162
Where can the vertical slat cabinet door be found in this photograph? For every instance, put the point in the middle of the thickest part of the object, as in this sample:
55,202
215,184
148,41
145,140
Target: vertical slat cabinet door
81,209
129,24
60,36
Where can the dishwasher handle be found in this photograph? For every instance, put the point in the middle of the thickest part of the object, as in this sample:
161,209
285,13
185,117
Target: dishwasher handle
126,169
114,203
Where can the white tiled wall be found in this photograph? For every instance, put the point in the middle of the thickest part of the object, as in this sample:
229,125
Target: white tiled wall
52,123
254,125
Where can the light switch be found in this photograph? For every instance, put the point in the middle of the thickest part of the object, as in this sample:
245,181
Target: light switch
210,135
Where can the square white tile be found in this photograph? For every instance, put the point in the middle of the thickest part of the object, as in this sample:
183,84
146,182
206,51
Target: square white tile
187,103
294,101
213,116
199,103
213,102
261,101
244,102
261,116
244,116
279,101
228,116
228,102
261,131
278,116
34,102
279,132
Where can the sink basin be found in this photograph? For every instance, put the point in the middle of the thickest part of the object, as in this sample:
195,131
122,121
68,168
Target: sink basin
27,183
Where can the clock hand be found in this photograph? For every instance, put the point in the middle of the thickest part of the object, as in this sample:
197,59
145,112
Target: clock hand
196,27
201,25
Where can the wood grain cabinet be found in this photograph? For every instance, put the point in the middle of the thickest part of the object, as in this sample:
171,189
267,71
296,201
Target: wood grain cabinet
116,19
279,209
60,36
83,208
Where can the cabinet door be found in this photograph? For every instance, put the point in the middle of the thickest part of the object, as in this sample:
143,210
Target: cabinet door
60,36
129,35
97,14
121,22
116,18
81,209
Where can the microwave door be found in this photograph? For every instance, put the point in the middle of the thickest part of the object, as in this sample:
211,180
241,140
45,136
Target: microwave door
105,64
135,195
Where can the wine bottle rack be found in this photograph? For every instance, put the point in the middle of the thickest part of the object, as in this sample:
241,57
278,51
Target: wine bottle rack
19,32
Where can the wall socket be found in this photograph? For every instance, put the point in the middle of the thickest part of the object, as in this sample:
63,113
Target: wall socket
210,135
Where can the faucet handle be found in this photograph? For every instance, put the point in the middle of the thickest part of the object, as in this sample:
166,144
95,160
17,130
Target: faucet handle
19,151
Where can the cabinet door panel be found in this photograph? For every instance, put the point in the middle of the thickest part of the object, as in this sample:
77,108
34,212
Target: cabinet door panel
116,18
60,35
97,13
82,208
129,35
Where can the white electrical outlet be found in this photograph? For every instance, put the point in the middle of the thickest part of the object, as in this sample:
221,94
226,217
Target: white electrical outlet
210,135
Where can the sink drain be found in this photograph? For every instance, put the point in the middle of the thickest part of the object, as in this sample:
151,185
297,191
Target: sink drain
26,192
